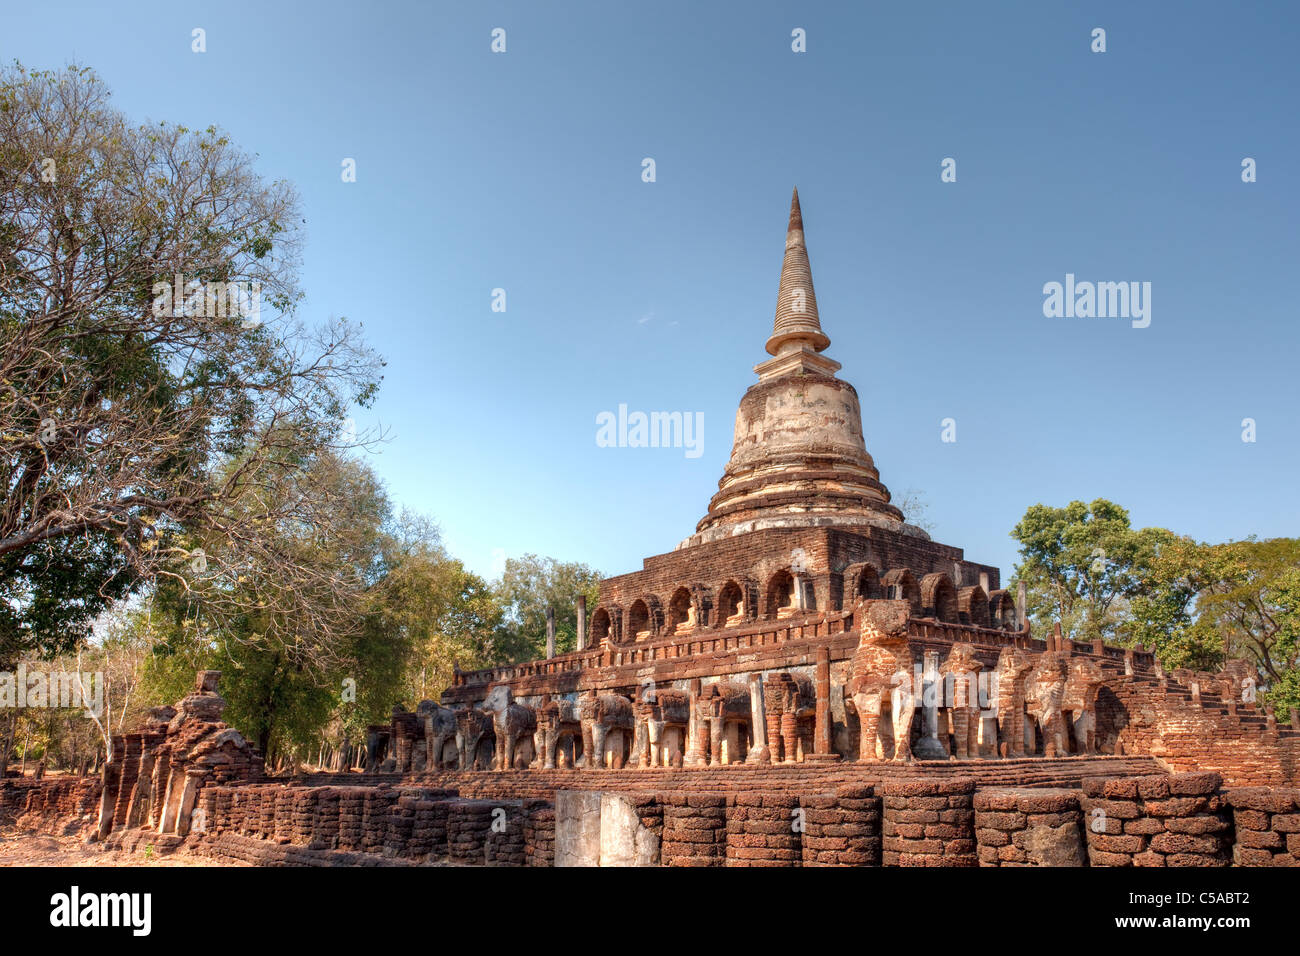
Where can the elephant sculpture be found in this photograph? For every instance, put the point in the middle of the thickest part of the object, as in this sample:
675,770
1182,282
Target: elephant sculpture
1013,668
1237,681
513,724
472,726
1044,697
791,705
377,736
661,722
600,714
439,726
882,671
724,706
1081,688
405,742
960,673
555,719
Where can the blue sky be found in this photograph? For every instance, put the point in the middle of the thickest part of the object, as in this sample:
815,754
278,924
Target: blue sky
522,171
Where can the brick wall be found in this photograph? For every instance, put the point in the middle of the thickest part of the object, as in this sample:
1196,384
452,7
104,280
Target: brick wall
928,823
1016,826
1147,820
57,805
1175,820
762,831
695,829
841,829
1267,823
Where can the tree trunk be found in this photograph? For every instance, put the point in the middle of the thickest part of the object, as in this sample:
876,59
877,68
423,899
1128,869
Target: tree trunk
8,745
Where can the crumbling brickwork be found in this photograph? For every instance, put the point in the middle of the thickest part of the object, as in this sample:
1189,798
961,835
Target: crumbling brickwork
928,823
1017,826
1267,826
764,829
539,833
841,829
60,805
1175,820
695,829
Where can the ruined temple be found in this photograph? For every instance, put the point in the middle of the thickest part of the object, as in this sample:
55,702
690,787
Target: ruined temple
804,654
805,621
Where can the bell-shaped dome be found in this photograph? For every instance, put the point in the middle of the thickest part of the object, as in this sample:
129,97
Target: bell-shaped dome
798,457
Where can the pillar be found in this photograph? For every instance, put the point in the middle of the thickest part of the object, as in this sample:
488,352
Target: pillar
582,622
822,685
694,744
790,736
774,738
189,798
550,633
759,748
929,747
111,777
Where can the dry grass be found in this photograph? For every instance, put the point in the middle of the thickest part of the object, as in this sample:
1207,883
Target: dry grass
30,848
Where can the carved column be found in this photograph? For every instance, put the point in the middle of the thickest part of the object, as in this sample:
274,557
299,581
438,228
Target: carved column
111,777
694,744
592,759
822,685
774,738
790,736
1015,719
962,726
640,756
759,750
138,809
930,746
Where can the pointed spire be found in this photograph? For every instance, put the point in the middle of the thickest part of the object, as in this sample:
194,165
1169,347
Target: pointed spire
797,335
797,322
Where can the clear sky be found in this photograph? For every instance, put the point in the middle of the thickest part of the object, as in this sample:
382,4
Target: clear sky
522,170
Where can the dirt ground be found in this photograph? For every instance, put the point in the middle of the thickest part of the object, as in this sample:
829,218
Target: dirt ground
29,848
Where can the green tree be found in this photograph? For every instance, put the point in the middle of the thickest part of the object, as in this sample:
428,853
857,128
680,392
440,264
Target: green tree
1284,596
1204,603
527,587
446,614
1162,615
285,658
1082,564
131,418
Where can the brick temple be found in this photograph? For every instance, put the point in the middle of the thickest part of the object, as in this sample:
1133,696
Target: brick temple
806,622
804,655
